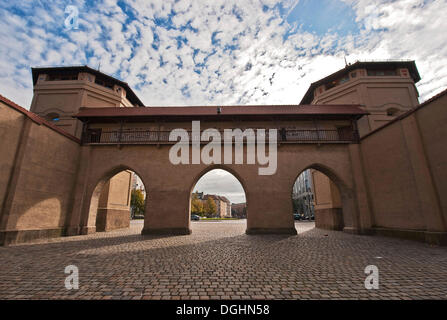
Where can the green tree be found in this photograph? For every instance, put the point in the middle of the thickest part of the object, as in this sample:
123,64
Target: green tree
196,206
210,208
137,202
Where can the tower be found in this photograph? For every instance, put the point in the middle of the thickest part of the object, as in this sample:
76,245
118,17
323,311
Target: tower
385,90
59,94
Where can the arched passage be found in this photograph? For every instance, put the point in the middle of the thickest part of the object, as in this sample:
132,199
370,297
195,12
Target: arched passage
320,196
117,198
218,195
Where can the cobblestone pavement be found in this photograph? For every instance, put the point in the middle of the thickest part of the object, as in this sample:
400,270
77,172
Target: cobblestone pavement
218,261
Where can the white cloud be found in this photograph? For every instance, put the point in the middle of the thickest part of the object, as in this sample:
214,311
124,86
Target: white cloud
250,62
222,183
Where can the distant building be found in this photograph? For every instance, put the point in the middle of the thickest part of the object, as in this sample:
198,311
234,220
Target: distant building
199,195
303,194
137,184
223,205
227,206
239,210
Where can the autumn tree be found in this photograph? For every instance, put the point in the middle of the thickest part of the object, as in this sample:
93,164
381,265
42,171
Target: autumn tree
210,208
137,202
197,205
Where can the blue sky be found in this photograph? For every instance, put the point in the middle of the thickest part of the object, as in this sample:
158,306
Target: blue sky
322,16
184,52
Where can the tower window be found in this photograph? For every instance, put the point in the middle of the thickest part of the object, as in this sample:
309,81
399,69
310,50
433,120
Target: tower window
391,112
381,73
104,83
62,76
337,82
53,117
344,79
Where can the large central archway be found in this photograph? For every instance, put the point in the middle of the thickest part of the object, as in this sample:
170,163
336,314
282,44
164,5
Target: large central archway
218,195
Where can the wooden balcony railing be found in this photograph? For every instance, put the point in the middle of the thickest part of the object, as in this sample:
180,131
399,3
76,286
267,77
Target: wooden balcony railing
98,136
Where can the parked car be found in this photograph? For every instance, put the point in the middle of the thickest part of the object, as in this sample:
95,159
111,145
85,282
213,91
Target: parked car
296,216
195,217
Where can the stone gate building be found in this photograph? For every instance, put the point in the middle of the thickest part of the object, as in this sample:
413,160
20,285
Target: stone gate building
362,128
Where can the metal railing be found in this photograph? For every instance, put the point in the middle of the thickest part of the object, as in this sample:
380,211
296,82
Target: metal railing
162,137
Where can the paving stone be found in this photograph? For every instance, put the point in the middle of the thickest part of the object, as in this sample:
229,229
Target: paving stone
219,261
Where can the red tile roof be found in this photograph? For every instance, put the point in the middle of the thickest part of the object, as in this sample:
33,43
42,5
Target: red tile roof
270,110
37,119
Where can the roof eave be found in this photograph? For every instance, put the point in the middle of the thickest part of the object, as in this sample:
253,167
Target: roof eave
180,118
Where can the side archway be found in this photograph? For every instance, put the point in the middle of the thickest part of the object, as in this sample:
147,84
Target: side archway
321,195
109,206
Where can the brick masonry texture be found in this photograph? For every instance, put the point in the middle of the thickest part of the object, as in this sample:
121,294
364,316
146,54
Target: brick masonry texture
218,261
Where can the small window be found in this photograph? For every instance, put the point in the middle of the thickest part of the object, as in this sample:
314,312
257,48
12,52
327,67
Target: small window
354,75
62,76
390,73
391,112
381,73
331,85
53,117
344,79
104,83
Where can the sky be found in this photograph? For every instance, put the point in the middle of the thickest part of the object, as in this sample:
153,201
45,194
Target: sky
219,52
222,183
